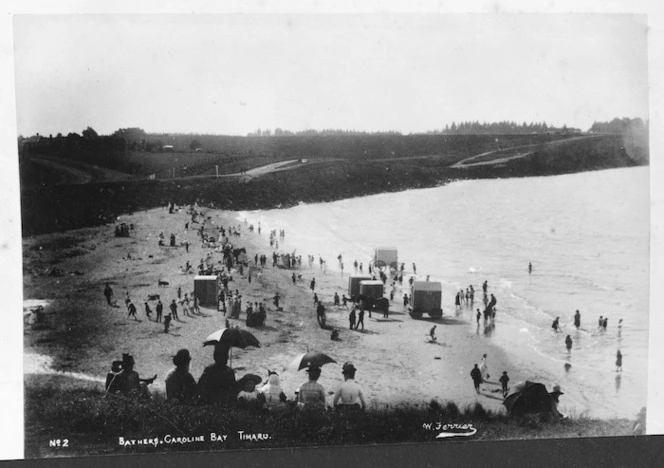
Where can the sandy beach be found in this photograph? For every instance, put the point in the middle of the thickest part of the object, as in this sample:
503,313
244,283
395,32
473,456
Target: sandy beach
81,335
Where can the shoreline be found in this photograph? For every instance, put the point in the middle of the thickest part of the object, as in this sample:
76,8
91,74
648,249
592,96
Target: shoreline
399,343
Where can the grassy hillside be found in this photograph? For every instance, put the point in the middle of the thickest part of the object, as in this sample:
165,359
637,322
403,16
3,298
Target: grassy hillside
52,208
93,423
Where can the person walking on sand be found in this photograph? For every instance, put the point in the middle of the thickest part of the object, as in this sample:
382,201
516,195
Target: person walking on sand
485,285
132,311
355,265
351,318
336,299
360,320
294,278
605,323
179,293
160,309
530,267
414,269
108,292
484,368
315,298
476,375
503,381
619,357
344,301
457,302
568,343
174,310
275,300
148,312
577,319
432,334
361,267
478,316
405,301
313,284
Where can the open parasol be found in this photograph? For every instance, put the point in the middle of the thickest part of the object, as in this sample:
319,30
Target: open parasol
310,359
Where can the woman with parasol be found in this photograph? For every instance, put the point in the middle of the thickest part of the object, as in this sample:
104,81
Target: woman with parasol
217,383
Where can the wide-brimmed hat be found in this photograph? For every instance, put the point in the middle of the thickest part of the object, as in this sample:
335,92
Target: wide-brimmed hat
181,357
127,359
556,390
253,378
348,368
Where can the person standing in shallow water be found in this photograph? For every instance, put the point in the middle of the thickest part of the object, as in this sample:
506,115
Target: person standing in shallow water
577,319
619,357
568,343
530,267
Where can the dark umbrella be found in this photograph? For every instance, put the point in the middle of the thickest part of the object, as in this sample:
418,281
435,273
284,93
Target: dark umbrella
312,358
233,337
533,398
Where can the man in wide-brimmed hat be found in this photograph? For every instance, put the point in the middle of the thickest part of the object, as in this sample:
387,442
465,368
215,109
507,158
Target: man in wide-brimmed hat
555,394
311,393
349,394
180,384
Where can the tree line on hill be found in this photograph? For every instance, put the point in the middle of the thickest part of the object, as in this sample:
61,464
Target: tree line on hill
621,126
134,139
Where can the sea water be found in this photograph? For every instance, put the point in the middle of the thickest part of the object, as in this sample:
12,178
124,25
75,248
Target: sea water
586,234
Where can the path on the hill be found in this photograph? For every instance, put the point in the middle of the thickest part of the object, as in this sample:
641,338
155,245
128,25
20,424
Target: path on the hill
77,172
519,152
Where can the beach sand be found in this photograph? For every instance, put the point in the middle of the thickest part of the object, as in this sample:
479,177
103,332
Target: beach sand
81,334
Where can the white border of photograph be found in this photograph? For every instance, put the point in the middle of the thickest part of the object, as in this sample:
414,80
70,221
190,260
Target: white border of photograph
11,336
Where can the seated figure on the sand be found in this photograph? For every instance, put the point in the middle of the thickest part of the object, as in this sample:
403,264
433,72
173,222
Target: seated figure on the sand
217,383
112,378
180,384
249,397
311,394
349,395
275,398
129,383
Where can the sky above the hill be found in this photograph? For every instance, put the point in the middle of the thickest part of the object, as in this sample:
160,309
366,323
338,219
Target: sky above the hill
233,74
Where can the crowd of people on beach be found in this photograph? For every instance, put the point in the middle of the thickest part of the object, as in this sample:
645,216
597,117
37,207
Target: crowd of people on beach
218,385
